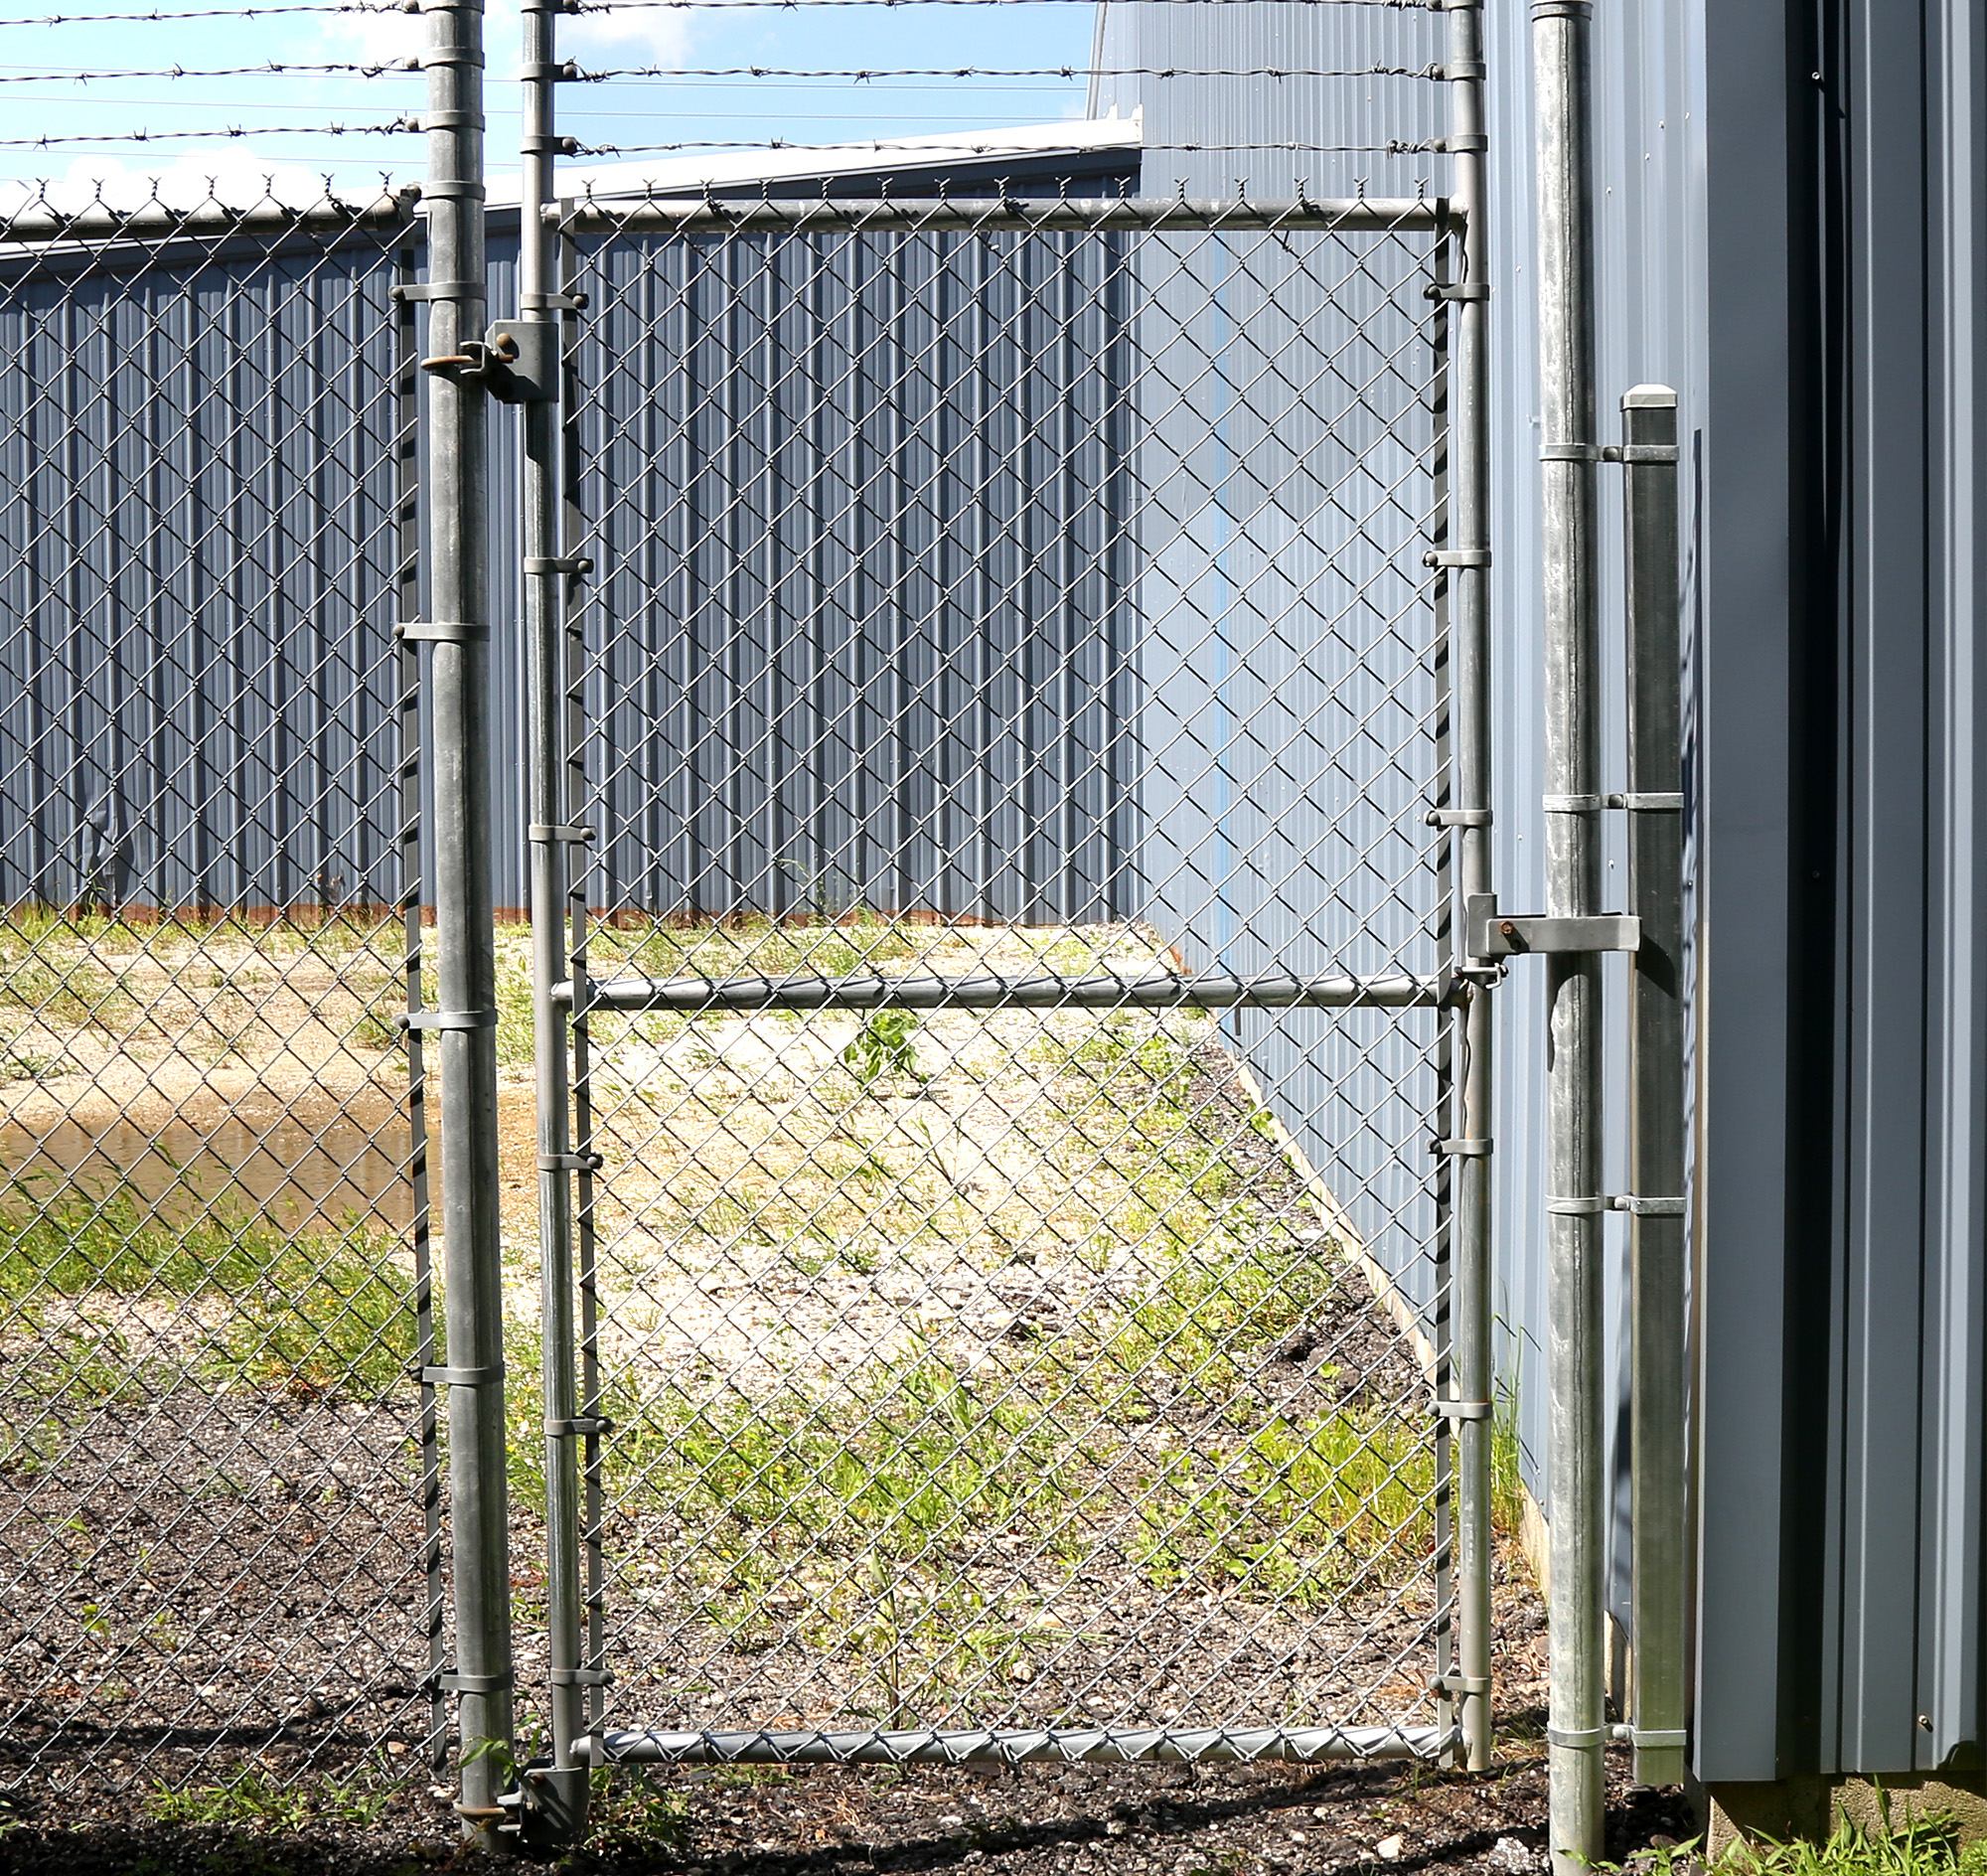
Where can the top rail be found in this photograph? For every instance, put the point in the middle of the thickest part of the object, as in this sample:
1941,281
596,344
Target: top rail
156,220
948,214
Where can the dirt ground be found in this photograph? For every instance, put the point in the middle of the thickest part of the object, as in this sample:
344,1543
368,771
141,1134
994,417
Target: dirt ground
1340,1821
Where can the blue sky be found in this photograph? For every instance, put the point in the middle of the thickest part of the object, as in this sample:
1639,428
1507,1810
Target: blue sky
625,111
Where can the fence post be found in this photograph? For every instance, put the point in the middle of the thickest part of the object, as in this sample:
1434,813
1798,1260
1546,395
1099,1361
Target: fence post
1470,640
1657,1227
556,1795
465,1014
1576,1730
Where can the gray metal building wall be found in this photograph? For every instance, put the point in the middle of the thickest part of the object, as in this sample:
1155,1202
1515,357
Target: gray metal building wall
1793,234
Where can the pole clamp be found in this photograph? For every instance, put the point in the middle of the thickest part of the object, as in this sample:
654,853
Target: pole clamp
1655,1739
1465,143
1464,1409
1646,1207
582,1677
1582,1739
1464,1149
570,1162
448,1020
548,144
1573,804
546,831
1570,452
579,1428
1456,557
1465,68
572,566
441,632
1460,1683
1459,289
1646,804
553,302
554,72
1457,817
1577,1207
1632,454
1492,934
449,1682
442,290
462,1377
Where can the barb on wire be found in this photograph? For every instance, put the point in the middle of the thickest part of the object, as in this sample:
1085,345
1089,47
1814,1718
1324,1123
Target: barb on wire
228,133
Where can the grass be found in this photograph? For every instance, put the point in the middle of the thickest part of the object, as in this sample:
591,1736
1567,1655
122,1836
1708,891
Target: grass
1907,1845
312,1314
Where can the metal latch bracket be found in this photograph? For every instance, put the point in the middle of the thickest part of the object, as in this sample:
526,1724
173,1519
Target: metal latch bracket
1494,934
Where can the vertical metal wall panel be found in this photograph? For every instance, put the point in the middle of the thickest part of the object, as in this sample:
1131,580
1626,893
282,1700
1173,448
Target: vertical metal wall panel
197,524
858,674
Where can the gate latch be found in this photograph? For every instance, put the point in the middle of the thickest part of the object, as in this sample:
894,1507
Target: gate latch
1494,934
517,362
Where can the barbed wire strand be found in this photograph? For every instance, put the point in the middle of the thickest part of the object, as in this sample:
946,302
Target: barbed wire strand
226,133
907,147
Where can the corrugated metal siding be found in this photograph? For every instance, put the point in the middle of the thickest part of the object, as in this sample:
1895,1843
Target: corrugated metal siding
862,634
197,555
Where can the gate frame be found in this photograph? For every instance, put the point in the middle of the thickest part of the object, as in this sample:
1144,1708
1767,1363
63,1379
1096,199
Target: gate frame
552,1796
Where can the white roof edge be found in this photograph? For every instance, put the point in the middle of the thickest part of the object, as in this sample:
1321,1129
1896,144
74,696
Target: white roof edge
693,171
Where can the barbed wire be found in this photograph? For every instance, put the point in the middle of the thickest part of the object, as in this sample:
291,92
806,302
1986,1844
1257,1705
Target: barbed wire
275,69
628,6
862,75
158,17
908,146
398,126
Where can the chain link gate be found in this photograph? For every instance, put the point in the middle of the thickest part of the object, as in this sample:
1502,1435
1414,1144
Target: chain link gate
220,1509
1008,739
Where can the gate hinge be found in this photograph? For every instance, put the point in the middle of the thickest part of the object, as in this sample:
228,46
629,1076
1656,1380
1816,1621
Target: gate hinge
1494,934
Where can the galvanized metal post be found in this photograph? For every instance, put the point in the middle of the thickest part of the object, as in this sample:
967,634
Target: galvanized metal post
1469,612
554,1796
1655,1040
465,1016
1575,1733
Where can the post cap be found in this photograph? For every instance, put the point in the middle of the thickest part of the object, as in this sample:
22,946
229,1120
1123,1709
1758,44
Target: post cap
1649,398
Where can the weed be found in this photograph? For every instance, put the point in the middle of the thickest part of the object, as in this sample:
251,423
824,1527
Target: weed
884,1046
632,1818
1927,1844
252,1798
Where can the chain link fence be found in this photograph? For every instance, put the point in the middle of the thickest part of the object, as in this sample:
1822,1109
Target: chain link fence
218,1503
1008,981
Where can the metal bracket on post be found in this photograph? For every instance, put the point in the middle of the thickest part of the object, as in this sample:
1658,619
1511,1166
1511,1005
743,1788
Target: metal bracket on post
1494,934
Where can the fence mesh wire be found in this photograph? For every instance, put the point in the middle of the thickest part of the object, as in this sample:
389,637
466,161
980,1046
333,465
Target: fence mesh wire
1037,605
215,1538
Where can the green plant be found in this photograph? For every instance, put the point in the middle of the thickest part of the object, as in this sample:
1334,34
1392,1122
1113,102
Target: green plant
254,1798
884,1046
